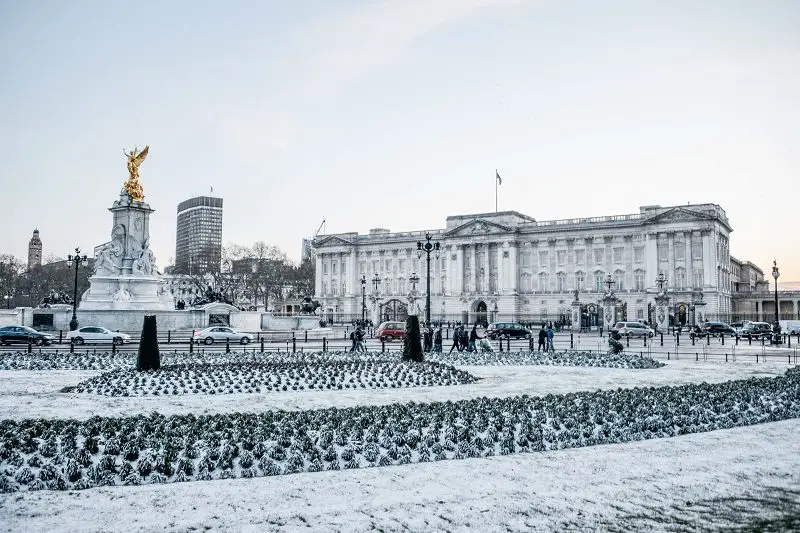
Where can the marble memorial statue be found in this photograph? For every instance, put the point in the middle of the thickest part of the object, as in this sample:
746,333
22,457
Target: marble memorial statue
125,273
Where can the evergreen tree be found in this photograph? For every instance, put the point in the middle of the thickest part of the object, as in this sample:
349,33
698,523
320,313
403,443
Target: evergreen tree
412,345
149,357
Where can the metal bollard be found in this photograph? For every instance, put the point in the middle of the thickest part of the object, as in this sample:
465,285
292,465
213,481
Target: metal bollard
696,356
191,345
571,341
645,340
726,357
306,337
678,339
324,344
737,340
169,336
749,339
708,339
693,337
628,341
756,357
662,339
294,343
60,338
383,345
667,356
508,343
501,344
723,339
227,345
530,343
71,347
262,344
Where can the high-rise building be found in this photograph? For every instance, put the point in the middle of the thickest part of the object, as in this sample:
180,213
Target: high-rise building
198,242
34,251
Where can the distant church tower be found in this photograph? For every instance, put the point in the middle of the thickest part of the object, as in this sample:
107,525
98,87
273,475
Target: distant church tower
35,251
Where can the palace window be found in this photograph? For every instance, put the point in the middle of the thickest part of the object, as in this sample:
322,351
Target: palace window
698,277
580,281
618,255
562,257
640,314
599,279
561,281
680,251
680,278
579,255
324,288
325,268
619,278
543,259
344,269
598,257
401,265
638,254
526,259
663,252
542,281
638,280
697,250
362,266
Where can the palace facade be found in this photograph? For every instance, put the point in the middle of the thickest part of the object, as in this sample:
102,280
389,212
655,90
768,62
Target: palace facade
508,266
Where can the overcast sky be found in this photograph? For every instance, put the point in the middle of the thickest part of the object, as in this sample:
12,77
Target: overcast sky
395,114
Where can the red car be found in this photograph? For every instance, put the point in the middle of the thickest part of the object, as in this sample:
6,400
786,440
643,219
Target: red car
389,331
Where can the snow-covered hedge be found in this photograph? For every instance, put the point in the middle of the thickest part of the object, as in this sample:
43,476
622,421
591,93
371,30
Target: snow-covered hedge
307,374
109,361
70,454
569,358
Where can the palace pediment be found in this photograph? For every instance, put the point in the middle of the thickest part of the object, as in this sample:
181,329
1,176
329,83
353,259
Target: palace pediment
677,214
332,240
479,227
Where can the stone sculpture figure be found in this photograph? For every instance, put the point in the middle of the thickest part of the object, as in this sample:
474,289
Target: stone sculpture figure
144,264
132,186
107,259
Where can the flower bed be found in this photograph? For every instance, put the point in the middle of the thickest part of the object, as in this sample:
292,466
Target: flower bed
570,358
305,374
69,454
109,361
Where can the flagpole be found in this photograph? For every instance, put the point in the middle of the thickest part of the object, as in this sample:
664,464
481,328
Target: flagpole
495,190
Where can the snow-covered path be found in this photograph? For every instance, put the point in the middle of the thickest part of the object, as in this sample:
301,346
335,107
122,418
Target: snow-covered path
641,486
27,394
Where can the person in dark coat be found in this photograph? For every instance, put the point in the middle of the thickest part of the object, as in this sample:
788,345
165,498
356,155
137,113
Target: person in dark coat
542,340
426,340
473,337
437,340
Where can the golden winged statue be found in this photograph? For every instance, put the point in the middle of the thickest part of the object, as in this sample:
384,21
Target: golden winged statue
132,186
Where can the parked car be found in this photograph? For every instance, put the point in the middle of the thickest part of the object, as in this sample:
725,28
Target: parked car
388,331
222,334
756,329
507,329
738,326
717,329
24,335
632,329
97,335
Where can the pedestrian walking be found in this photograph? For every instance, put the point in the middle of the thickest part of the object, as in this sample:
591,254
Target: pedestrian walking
550,339
542,340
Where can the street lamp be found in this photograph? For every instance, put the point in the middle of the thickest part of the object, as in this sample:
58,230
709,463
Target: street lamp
76,261
776,275
7,297
661,280
428,247
363,298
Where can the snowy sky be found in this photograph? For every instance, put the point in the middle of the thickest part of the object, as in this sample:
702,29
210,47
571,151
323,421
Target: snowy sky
395,114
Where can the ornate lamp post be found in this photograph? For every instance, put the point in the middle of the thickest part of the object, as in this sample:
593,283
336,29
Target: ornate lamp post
428,247
375,297
7,297
661,280
75,261
363,298
412,297
609,282
776,275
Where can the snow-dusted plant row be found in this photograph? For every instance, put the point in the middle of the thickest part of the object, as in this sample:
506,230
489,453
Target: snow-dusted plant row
69,454
205,378
569,358
109,361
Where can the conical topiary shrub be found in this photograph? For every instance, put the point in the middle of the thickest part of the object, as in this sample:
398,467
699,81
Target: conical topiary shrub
412,346
149,358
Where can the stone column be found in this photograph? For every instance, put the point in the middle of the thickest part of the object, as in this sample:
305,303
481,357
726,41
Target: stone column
709,272
459,269
474,266
513,268
487,274
671,258
318,276
651,258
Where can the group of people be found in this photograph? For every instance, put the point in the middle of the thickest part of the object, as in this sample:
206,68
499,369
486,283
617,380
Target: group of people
546,338
357,338
469,341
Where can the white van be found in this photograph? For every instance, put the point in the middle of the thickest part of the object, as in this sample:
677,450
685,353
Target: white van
792,327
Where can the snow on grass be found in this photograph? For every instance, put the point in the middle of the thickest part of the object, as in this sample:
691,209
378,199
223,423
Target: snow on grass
251,377
111,361
25,394
656,485
38,454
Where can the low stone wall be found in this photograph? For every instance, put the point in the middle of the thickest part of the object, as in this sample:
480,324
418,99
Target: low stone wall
284,323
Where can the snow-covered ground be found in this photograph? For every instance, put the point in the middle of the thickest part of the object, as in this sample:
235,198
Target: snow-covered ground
679,483
29,394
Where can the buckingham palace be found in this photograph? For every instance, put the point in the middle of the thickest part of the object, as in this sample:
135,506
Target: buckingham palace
506,266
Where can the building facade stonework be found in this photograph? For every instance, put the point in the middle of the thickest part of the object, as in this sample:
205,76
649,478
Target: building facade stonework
508,266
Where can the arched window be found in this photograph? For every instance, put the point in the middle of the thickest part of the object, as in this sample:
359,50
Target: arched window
561,282
638,280
619,279
599,280
542,282
680,278
580,281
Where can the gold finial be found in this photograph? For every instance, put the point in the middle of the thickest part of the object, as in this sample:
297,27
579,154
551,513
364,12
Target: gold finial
132,186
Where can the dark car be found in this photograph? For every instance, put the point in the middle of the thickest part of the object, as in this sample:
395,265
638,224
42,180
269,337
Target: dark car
24,335
718,329
507,329
756,329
